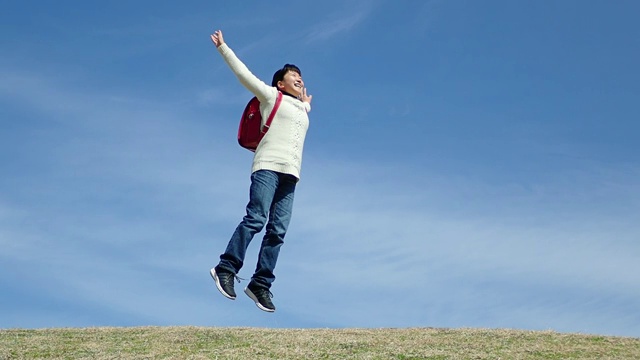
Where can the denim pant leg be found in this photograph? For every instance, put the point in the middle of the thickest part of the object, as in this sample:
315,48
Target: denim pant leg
261,194
279,218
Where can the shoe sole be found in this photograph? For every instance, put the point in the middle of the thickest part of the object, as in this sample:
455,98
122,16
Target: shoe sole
215,278
255,299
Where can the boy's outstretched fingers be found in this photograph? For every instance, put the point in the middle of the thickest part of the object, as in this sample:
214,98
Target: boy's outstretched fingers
217,38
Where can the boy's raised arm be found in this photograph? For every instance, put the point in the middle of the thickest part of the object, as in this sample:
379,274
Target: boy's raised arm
261,90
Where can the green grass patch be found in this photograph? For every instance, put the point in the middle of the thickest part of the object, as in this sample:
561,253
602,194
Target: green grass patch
254,343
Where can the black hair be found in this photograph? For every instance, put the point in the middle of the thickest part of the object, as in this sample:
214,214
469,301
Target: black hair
279,75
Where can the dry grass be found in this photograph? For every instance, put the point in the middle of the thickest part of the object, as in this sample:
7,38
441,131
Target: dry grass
252,343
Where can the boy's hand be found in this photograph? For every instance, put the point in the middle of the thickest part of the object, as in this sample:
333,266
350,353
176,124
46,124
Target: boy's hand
304,97
217,38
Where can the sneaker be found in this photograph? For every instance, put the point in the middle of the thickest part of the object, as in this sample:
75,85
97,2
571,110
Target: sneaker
261,296
224,282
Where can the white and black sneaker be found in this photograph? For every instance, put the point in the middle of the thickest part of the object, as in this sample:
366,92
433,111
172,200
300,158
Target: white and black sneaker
261,296
224,282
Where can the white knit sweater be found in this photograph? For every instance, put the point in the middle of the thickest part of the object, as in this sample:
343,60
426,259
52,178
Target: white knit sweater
281,148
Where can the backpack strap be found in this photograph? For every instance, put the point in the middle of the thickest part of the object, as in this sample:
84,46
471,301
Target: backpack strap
273,113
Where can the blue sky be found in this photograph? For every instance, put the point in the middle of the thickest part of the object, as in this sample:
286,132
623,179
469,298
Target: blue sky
468,163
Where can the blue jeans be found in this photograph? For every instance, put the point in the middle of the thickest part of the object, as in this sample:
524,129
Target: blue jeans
270,198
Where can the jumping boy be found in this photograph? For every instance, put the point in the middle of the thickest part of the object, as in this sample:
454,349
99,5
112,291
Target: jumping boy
275,172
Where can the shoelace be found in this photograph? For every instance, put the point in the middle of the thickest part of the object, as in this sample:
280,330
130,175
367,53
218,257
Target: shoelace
229,279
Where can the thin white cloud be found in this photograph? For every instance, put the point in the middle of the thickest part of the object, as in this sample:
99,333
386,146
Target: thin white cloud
403,249
338,25
126,186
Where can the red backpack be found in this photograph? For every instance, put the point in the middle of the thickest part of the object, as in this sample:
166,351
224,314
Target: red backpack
249,132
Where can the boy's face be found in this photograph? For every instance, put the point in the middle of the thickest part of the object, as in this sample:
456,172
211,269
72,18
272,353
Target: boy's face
291,83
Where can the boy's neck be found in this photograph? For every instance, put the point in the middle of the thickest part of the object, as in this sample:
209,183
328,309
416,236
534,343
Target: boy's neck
286,93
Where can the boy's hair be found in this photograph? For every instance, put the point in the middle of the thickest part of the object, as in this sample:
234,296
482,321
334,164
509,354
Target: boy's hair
279,75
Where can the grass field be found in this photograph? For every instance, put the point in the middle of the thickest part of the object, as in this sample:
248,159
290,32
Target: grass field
255,343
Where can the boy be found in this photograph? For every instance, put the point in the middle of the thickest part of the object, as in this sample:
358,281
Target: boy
275,172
